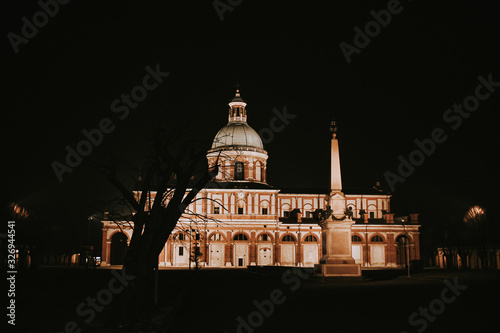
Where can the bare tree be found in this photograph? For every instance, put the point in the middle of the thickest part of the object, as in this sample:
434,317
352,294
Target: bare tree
175,171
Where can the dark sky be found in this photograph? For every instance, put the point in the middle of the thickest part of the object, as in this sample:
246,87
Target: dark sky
282,53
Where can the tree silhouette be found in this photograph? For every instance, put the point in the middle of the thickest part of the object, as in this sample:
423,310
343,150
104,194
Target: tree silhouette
177,171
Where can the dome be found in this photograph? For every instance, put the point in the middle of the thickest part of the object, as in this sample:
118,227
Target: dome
237,134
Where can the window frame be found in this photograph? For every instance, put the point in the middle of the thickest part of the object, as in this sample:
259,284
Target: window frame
264,237
377,239
356,241
239,174
240,237
310,239
216,237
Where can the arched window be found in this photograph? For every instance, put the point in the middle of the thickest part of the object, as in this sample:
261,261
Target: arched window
180,236
356,239
240,237
264,238
285,208
310,238
377,239
288,238
264,207
118,248
239,171
402,240
216,237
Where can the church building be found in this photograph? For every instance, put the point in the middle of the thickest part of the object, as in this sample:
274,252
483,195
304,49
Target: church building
240,220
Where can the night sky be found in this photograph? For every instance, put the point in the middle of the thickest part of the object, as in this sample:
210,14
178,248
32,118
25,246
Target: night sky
283,54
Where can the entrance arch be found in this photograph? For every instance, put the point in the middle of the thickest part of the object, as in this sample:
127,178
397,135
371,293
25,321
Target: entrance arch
118,248
402,245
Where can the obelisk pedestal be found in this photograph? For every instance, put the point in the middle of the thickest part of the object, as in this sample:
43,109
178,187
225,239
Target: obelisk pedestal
337,251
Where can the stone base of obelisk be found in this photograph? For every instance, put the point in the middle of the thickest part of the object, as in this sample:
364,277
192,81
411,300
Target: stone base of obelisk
337,252
337,270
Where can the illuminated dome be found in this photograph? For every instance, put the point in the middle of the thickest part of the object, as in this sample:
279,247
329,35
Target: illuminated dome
237,133
238,150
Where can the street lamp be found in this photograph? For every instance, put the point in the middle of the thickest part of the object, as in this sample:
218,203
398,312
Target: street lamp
88,229
299,220
407,248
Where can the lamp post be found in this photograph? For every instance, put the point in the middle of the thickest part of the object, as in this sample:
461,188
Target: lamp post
190,242
366,244
88,229
300,252
407,248
89,246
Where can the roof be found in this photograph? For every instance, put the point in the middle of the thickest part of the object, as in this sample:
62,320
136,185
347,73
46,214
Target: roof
326,191
239,185
237,97
260,185
215,185
291,220
237,134
382,221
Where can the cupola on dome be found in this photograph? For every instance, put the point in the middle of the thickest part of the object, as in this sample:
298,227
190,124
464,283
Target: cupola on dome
237,133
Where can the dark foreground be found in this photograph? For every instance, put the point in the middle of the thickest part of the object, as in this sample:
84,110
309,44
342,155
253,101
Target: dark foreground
242,301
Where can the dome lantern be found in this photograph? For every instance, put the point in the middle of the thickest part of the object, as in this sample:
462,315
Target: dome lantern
237,109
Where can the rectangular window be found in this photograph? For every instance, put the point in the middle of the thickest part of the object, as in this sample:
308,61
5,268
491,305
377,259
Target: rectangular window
240,210
286,213
181,251
264,211
308,214
197,237
239,171
216,210
372,215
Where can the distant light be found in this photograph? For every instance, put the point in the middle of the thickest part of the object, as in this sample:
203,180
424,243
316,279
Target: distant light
18,212
474,215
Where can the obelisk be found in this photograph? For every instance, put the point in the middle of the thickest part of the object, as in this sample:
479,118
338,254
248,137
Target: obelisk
336,229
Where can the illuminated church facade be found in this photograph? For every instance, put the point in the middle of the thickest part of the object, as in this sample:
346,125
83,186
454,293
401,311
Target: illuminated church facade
240,220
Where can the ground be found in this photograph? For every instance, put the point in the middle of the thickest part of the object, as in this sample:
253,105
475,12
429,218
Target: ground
225,301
